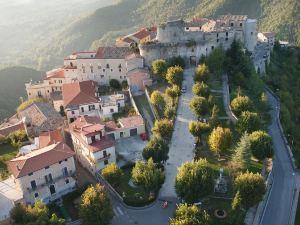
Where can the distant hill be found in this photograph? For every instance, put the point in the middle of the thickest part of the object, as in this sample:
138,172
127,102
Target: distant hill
12,80
105,24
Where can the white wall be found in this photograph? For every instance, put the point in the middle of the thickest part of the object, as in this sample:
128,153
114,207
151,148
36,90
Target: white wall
42,189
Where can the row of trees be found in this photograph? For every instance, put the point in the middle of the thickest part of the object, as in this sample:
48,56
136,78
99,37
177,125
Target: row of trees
195,180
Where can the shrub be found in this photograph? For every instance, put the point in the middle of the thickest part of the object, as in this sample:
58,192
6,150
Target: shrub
115,84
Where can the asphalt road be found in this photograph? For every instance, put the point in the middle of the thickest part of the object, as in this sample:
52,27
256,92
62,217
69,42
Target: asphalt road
279,204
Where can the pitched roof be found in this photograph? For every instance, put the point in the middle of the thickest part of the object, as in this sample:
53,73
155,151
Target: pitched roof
39,159
142,33
268,34
56,73
132,121
79,93
197,22
88,126
113,52
7,130
127,40
50,137
40,112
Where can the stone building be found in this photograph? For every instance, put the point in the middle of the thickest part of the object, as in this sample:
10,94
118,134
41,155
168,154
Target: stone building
40,117
198,37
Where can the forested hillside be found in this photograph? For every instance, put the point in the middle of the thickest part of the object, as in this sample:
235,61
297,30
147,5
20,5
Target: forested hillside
105,24
283,75
12,87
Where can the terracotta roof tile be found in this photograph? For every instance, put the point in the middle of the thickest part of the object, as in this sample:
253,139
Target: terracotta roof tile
88,126
113,52
7,130
132,121
39,159
79,93
57,73
50,137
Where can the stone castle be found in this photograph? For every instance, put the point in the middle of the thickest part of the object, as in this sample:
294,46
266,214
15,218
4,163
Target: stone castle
198,37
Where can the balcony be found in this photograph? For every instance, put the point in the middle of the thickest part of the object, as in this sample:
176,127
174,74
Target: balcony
99,159
53,181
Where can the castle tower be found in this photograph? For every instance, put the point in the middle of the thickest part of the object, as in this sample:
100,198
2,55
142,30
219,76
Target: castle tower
170,32
250,34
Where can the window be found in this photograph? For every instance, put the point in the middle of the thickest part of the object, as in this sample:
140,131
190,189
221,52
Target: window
47,167
218,40
226,39
71,64
104,153
121,134
91,107
231,24
66,160
48,91
251,33
111,110
103,70
83,69
30,174
111,70
107,66
120,70
212,47
73,112
48,178
65,171
60,162
92,69
105,162
120,66
217,34
193,50
36,195
93,139
67,181
227,34
82,109
187,28
101,76
241,24
120,77
33,184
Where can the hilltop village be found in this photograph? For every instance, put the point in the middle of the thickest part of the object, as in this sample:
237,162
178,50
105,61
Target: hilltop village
97,109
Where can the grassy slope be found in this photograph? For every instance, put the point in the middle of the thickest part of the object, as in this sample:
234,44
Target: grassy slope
12,87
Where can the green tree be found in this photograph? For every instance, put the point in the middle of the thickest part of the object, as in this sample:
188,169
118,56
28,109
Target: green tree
201,73
251,188
194,180
157,99
241,104
169,113
215,60
163,128
34,215
148,175
112,173
115,84
236,203
201,89
157,149
198,128
17,137
124,85
95,207
27,103
214,119
174,75
220,140
261,145
248,122
173,92
159,68
177,61
199,106
242,152
190,215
